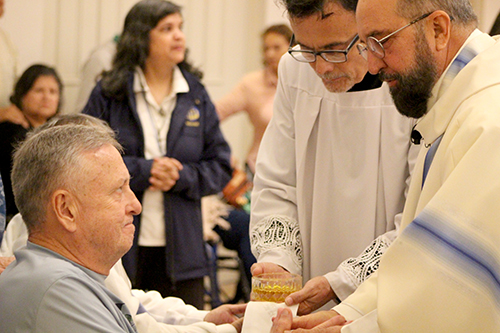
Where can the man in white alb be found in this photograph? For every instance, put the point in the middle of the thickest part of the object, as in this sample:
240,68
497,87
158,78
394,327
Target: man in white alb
333,164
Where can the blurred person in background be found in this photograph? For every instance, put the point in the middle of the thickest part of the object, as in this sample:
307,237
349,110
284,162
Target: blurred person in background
173,145
37,94
4,262
254,94
8,72
98,61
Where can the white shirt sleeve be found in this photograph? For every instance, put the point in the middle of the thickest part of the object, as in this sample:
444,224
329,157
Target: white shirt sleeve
15,237
354,271
169,310
146,324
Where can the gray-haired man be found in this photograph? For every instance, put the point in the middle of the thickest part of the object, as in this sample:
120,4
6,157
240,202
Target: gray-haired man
72,189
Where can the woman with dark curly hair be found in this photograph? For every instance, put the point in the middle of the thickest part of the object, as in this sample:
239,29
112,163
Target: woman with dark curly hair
174,149
37,94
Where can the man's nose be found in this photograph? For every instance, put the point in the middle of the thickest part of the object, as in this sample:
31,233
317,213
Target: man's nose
135,206
375,64
321,66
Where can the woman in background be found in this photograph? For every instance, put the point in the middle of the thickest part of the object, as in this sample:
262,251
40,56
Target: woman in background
174,149
37,94
254,94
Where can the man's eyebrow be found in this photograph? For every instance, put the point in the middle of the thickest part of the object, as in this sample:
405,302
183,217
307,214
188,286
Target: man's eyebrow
323,47
378,32
123,181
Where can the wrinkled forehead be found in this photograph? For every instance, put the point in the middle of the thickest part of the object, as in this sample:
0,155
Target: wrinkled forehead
376,17
316,32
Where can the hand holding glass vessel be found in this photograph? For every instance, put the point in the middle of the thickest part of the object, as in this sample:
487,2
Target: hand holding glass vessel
274,287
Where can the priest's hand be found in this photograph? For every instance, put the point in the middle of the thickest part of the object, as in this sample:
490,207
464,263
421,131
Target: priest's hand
324,323
266,267
283,321
316,293
314,320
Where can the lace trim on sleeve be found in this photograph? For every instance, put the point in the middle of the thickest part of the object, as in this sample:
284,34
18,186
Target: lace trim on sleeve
278,232
360,268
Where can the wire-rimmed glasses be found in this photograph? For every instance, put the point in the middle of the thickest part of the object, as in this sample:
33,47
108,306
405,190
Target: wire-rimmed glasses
334,56
376,45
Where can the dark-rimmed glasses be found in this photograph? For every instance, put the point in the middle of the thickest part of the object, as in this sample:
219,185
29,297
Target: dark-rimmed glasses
335,56
376,45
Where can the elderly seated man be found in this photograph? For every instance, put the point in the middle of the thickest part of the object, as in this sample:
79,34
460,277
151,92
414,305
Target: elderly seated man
72,188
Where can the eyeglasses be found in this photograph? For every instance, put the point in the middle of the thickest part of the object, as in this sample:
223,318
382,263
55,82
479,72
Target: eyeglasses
376,46
335,56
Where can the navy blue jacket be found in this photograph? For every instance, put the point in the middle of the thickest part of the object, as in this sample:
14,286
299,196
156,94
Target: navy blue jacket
198,143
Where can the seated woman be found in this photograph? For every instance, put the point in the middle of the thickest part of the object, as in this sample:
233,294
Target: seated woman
37,94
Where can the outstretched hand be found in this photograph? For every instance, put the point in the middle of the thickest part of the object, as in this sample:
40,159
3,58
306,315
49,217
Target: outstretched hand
283,321
225,314
324,322
316,293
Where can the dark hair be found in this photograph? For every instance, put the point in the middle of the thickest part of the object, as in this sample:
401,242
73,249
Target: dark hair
28,78
280,29
460,10
133,46
306,8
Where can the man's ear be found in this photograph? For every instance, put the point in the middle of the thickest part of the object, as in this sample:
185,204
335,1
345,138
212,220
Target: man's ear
441,25
64,207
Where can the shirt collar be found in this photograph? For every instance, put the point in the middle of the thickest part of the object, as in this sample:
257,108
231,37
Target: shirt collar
41,249
463,56
179,83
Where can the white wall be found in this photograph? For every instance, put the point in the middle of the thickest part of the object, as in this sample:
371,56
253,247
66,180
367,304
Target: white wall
275,13
487,12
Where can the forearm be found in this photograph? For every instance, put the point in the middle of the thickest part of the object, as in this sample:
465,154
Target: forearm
354,271
146,323
169,310
277,239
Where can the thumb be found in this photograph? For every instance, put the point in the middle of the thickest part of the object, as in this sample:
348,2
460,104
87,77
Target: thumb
282,321
238,309
266,267
257,268
295,298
